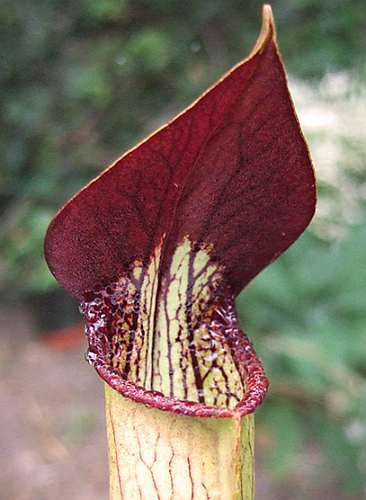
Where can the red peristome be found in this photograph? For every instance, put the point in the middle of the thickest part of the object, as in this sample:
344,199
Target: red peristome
245,358
232,170
257,386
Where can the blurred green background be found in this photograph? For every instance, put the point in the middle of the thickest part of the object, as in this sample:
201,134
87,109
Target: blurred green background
83,81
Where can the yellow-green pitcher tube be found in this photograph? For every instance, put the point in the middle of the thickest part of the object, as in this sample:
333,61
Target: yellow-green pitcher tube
157,455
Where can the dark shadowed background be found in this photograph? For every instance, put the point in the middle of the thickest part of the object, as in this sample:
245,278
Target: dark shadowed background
80,83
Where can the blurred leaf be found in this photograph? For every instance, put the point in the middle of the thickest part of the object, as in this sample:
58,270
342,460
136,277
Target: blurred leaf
287,445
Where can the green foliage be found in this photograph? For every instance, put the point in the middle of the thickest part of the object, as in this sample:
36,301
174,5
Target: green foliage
308,314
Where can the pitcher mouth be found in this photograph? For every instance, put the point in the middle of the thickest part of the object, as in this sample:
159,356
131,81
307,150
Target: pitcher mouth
256,388
222,324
